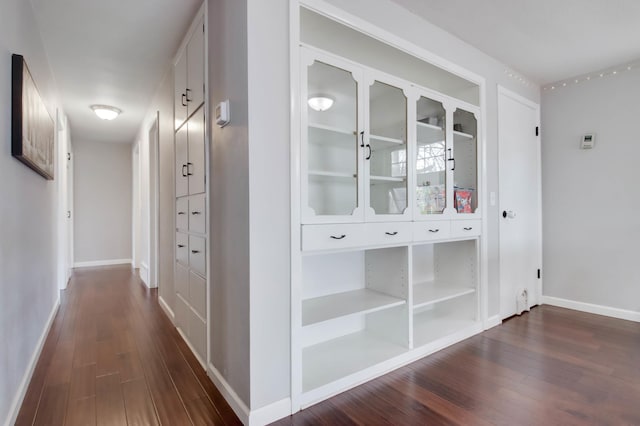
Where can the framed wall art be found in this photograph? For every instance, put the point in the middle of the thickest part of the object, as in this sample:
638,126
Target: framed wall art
32,128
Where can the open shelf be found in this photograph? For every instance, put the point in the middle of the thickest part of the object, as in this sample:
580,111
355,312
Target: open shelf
387,179
432,325
430,292
331,129
337,358
383,142
318,175
339,305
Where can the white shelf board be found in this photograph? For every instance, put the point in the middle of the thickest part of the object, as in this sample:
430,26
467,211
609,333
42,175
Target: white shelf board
384,142
428,133
332,129
339,305
430,292
338,358
387,178
429,326
461,137
319,175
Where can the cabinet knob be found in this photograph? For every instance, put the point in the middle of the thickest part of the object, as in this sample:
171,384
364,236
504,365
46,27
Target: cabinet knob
195,213
184,97
188,100
434,230
467,228
338,238
195,251
392,233
180,212
180,245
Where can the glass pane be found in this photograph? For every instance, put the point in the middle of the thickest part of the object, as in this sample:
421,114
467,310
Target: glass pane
465,152
388,143
332,140
431,159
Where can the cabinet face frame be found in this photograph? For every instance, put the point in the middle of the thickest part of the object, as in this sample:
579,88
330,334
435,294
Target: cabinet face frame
359,24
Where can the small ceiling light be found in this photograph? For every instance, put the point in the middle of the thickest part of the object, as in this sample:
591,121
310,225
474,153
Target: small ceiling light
589,78
320,103
615,72
629,68
106,112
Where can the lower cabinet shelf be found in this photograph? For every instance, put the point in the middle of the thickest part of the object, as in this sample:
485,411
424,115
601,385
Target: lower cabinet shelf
335,359
431,292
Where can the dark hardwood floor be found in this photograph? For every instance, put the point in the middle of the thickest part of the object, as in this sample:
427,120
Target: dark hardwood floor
551,366
113,358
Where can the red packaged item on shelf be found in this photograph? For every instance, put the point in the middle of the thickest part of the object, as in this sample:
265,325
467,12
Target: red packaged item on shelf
463,200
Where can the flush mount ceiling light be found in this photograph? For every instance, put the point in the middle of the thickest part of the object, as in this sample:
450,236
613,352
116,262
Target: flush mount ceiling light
320,103
106,112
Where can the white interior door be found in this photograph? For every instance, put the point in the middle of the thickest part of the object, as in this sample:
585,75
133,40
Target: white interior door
520,224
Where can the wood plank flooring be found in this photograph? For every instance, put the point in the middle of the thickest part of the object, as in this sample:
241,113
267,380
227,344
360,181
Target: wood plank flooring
551,366
112,357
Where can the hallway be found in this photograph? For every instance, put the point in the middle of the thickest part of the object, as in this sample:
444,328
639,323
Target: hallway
112,357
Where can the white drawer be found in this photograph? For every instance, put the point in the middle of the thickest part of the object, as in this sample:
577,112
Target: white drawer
465,228
182,213
182,248
332,237
182,280
198,294
197,254
197,214
388,233
430,231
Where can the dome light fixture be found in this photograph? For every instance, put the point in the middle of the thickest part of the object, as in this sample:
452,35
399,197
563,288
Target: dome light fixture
106,112
320,102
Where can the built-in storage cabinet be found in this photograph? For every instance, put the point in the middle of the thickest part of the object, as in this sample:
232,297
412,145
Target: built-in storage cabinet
189,76
191,199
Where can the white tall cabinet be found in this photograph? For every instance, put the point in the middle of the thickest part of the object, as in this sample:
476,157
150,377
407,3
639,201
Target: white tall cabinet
190,189
390,223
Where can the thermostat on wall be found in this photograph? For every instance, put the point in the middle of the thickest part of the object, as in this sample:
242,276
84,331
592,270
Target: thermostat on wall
222,113
588,141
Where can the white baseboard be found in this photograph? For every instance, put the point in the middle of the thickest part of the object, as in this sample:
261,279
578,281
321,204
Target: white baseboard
144,274
270,413
167,310
592,309
108,262
494,321
232,398
22,390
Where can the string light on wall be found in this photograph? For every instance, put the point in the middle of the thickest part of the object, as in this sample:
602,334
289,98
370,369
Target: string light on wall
518,77
610,72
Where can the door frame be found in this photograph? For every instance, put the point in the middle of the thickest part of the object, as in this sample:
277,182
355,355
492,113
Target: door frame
502,91
154,200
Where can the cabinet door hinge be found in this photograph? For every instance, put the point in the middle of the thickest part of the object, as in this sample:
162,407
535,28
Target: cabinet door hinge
538,273
537,131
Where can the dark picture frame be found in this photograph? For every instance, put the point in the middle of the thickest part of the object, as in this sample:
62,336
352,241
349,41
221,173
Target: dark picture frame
32,128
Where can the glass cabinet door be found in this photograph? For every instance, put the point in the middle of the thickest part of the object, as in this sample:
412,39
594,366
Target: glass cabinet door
431,158
331,152
386,150
465,163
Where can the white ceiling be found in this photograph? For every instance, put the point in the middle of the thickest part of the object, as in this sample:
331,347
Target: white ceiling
112,52
545,40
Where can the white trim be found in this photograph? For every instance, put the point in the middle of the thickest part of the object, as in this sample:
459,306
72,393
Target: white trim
494,321
270,413
102,263
144,273
167,309
22,389
191,348
592,309
232,398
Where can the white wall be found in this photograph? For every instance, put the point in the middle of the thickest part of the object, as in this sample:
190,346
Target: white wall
229,196
269,183
28,214
102,198
591,225
416,30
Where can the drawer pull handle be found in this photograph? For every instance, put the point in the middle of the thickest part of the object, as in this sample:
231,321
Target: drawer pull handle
180,245
434,230
392,233
195,251
338,238
179,213
468,229
195,213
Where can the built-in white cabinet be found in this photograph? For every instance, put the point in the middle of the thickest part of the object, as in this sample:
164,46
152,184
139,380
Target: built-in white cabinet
191,273
189,76
390,224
